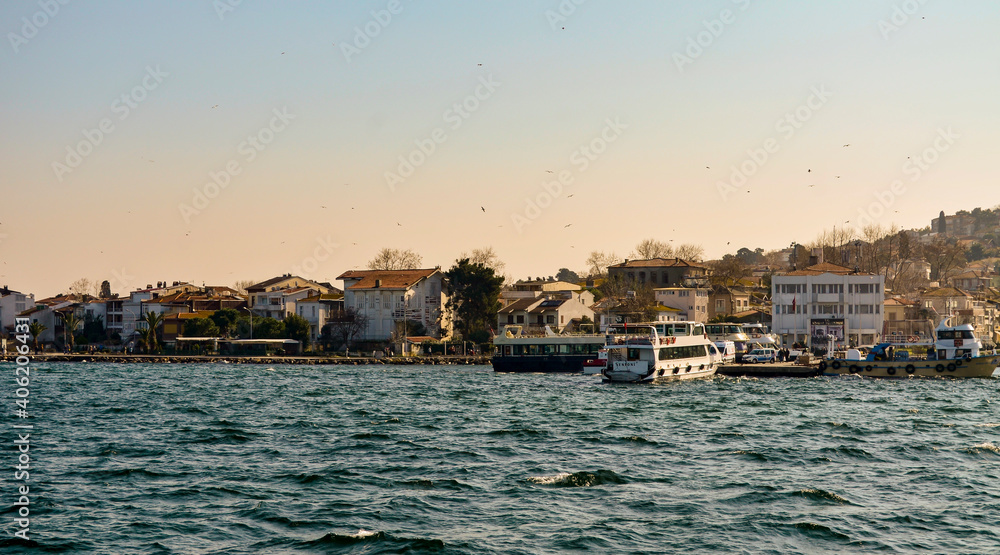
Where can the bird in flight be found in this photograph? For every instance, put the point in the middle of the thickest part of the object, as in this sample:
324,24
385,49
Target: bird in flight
570,196
399,224
847,145
837,176
548,171
216,106
567,225
321,206
483,209
809,171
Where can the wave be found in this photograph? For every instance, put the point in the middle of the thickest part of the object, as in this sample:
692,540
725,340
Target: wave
579,479
983,448
639,439
823,496
376,542
519,432
753,455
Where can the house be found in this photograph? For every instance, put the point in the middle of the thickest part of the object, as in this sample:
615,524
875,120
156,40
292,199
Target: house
276,297
533,289
826,301
316,309
173,325
12,303
971,281
388,298
905,320
726,301
691,301
661,272
560,310
51,313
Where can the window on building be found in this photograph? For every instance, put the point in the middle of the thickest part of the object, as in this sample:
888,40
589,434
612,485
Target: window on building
550,319
720,305
520,318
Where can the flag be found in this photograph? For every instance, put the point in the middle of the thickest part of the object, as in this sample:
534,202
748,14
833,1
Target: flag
793,305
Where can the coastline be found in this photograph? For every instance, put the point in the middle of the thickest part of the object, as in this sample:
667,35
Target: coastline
217,359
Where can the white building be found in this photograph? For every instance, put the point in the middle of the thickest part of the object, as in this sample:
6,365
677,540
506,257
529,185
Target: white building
691,301
810,306
12,303
390,297
317,310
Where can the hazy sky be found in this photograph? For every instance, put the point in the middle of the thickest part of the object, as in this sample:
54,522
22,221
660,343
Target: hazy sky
123,120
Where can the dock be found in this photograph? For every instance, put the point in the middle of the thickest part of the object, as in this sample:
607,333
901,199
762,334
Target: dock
774,370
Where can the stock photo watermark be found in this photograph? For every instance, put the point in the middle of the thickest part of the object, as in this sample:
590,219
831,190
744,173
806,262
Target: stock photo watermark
788,125
121,107
321,253
581,158
900,16
703,40
30,26
249,149
914,168
560,15
22,445
455,117
365,34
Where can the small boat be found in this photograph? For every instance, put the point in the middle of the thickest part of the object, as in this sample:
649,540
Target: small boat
956,353
596,365
517,351
659,352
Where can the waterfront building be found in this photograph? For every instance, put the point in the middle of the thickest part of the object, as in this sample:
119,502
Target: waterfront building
727,301
12,303
276,297
826,301
317,309
560,310
388,298
661,272
691,301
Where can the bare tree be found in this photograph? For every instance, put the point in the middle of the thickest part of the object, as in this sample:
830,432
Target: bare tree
598,262
944,257
651,248
729,271
488,258
241,286
395,259
84,286
345,325
689,251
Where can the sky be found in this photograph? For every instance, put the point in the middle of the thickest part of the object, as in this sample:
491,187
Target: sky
218,141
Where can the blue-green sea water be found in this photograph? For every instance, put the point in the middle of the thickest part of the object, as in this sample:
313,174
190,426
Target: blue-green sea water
235,458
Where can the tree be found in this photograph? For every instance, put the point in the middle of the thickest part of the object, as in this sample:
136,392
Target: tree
200,327
225,319
93,328
487,257
343,326
944,257
70,324
395,259
268,328
241,286
36,328
105,290
651,248
565,274
474,296
297,328
153,321
598,262
689,251
729,271
636,301
82,287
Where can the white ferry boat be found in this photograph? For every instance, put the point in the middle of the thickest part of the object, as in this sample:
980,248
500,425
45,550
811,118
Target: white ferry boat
659,352
956,353
760,335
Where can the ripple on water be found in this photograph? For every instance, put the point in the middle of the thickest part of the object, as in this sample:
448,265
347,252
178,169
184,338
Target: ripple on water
581,479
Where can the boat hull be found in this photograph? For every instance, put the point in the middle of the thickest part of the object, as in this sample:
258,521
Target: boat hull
663,375
562,364
978,367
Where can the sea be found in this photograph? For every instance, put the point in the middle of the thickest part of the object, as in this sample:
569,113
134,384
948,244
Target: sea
235,458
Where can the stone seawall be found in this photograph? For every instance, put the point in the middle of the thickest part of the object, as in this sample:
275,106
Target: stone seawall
219,359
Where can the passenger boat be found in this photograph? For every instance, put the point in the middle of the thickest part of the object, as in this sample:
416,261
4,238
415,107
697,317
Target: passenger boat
659,352
759,334
517,351
728,331
956,353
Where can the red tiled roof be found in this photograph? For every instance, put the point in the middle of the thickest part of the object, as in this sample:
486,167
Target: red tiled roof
389,279
658,263
824,268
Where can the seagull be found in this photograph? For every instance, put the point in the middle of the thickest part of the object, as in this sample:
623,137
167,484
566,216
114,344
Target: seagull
847,145
548,171
483,209
808,171
321,206
567,225
812,185
214,107
480,65
399,224
837,176
570,196
707,168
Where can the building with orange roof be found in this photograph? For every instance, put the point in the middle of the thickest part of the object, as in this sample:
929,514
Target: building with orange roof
388,298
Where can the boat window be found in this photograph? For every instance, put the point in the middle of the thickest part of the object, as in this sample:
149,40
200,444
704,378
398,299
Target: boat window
946,334
548,349
966,334
506,350
532,349
633,354
564,349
